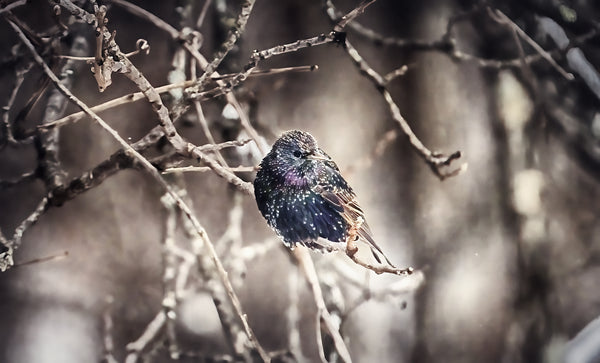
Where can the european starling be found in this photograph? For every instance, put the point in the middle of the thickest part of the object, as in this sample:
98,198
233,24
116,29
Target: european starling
302,195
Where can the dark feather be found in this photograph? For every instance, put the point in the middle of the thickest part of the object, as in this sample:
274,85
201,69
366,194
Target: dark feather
303,196
346,203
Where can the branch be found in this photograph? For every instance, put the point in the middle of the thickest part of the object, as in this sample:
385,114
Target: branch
134,97
42,207
47,144
12,5
7,137
230,40
135,348
156,175
27,177
190,44
436,161
324,319
6,254
352,249
335,36
107,327
500,17
169,276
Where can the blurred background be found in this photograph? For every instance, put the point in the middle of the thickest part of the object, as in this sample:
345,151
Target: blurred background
509,250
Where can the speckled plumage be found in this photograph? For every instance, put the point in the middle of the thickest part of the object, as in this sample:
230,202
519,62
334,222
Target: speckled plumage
302,195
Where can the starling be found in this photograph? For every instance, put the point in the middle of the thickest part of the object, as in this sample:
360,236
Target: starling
300,192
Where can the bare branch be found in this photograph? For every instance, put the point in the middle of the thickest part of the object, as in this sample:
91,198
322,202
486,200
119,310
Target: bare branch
351,15
191,46
324,318
13,5
7,137
230,40
502,18
152,331
156,175
107,326
335,36
15,242
25,178
169,277
202,14
54,257
206,130
352,249
134,97
50,169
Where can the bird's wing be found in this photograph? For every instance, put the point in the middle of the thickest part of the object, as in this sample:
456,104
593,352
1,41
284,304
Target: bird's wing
345,201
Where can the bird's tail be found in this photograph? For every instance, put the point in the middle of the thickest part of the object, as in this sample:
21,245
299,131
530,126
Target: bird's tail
364,233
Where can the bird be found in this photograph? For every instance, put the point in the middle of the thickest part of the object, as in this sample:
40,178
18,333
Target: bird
304,198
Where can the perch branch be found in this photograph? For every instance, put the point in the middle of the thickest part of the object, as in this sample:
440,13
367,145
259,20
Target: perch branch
352,249
324,317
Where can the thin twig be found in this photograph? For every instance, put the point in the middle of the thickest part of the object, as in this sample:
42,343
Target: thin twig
134,97
203,13
15,242
13,5
270,72
502,18
227,45
50,169
169,277
293,316
54,257
7,132
204,124
153,329
25,178
344,20
107,327
395,73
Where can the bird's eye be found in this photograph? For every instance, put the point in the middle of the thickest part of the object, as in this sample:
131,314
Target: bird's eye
297,153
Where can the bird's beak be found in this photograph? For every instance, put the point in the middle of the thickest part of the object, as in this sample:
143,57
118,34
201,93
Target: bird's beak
317,154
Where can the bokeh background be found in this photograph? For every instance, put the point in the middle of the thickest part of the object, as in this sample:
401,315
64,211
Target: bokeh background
509,249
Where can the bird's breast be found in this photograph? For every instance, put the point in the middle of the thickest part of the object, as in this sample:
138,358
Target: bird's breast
295,179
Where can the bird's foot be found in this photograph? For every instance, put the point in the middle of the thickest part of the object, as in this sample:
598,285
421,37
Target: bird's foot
351,247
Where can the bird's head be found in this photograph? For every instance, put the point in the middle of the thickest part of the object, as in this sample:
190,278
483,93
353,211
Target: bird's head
297,155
